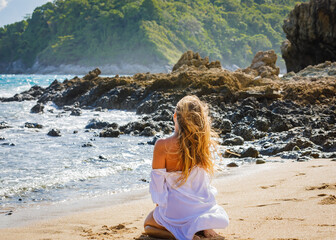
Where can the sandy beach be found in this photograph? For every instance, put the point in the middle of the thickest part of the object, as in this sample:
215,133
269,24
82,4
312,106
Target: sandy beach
291,200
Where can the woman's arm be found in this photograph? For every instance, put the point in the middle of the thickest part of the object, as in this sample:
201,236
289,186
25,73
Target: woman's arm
159,155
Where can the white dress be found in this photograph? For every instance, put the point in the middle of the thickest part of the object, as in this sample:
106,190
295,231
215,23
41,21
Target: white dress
187,209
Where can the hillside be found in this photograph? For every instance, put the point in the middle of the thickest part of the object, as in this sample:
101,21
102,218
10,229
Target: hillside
141,33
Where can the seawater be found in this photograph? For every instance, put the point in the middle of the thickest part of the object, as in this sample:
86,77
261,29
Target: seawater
40,168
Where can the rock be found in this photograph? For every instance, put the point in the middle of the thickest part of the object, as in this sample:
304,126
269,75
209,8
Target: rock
33,125
225,126
146,107
109,132
330,145
319,138
163,115
280,124
297,144
303,159
33,93
233,141
260,161
92,74
2,138
244,131
263,65
310,33
290,155
268,93
89,144
262,124
250,152
8,144
96,124
76,112
3,125
138,126
190,58
148,132
54,132
230,154
232,164
296,148
102,157
38,108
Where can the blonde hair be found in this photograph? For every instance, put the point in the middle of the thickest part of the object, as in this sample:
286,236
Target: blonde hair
194,136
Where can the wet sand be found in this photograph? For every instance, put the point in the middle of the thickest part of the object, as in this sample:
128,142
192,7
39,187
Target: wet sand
291,200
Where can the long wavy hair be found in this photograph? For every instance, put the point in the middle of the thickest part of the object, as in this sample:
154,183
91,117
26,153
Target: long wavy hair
195,135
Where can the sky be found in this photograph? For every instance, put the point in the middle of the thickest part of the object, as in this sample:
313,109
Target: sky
15,10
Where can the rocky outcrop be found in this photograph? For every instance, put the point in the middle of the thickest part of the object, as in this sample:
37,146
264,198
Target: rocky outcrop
191,59
290,117
32,94
263,65
38,108
92,74
311,35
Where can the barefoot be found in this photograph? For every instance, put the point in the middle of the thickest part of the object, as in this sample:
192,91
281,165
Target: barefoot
158,233
196,237
209,233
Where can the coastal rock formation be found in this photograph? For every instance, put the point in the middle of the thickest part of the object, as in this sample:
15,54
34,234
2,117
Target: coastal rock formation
32,94
263,65
37,108
191,59
92,74
311,35
289,116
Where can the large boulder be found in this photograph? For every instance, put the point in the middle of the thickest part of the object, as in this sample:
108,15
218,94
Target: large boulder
311,35
38,108
263,65
192,59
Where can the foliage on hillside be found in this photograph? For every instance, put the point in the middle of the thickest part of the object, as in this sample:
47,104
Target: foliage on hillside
144,31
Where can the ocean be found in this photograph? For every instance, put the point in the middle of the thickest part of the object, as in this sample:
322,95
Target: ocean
37,169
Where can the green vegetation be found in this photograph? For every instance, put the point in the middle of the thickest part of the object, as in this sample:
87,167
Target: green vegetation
97,32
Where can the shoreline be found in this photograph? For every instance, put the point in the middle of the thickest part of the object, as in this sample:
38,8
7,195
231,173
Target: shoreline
22,216
285,201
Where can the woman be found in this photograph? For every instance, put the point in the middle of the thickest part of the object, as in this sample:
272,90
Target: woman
180,181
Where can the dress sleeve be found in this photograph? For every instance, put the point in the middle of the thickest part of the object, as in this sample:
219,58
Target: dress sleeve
158,187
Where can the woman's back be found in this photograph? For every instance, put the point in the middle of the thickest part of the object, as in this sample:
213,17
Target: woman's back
185,209
180,178
172,156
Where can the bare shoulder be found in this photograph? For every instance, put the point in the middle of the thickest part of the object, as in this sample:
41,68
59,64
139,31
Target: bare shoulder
159,154
160,144
166,143
161,150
